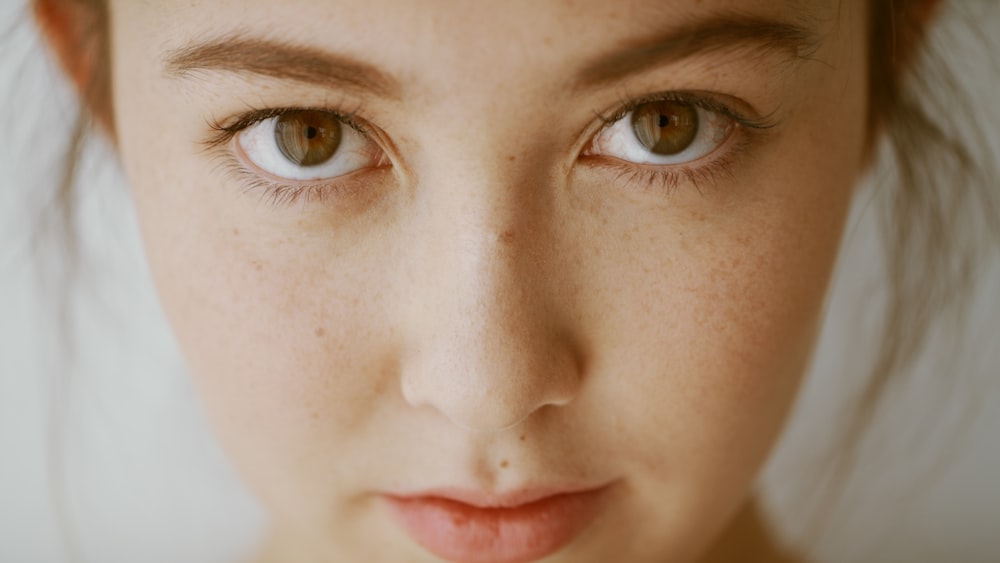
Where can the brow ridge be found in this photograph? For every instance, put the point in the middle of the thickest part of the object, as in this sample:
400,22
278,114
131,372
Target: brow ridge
698,38
282,61
305,64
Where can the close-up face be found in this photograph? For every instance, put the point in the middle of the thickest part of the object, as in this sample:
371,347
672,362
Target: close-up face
490,282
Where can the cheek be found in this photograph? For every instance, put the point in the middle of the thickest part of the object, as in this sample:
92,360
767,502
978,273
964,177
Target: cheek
288,347
697,354
708,338
265,321
283,324
267,312
703,315
276,323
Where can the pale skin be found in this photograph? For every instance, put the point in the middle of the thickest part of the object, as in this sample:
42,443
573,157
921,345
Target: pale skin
491,305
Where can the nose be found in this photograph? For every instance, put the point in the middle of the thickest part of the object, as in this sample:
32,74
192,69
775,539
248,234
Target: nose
485,346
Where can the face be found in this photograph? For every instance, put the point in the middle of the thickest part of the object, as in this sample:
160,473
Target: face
493,281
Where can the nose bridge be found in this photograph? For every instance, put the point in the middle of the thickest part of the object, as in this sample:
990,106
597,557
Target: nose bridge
485,347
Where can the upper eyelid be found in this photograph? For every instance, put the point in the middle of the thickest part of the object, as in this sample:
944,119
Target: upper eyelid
223,133
702,100
226,131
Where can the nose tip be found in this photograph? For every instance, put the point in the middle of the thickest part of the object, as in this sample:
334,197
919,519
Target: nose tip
485,331
485,344
492,394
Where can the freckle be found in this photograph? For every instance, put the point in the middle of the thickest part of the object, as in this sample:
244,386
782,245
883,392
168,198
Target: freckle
504,464
506,237
236,231
320,332
522,437
511,158
258,266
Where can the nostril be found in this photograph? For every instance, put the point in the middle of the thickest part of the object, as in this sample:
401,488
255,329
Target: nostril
487,420
472,405
487,426
465,407
483,342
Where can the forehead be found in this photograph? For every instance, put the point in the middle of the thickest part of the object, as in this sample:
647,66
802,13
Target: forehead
441,16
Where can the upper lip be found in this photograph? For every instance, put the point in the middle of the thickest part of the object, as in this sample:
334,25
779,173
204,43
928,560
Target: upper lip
484,499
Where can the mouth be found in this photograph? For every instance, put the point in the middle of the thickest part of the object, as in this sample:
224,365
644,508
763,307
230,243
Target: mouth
473,527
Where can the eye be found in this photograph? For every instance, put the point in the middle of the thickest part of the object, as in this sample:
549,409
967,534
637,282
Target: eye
308,145
663,132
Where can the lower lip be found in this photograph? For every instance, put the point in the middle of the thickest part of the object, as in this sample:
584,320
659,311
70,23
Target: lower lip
458,531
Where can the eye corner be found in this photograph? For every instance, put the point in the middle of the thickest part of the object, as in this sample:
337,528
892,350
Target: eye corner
663,129
698,158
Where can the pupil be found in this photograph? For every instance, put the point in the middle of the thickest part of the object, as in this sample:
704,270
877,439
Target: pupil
664,120
311,133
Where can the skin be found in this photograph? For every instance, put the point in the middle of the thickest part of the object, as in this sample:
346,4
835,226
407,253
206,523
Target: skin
492,310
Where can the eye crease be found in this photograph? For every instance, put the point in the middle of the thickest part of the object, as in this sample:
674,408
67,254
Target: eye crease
661,140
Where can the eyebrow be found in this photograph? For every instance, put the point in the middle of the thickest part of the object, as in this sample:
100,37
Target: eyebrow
282,61
698,38
310,65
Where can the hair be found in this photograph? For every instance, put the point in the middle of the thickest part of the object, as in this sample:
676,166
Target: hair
939,215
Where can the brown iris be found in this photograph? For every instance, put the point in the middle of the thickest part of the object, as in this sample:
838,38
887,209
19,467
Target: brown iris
308,137
665,128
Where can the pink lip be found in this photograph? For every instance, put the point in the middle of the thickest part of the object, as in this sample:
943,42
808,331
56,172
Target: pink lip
474,527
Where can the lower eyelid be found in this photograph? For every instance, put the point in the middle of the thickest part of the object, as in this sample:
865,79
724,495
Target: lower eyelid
349,188
705,174
249,179
723,138
661,177
611,138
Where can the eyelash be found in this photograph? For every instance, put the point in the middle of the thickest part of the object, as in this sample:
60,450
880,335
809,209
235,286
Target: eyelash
272,191
662,178
225,133
667,178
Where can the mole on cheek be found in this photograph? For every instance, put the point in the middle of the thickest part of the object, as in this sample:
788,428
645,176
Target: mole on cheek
320,332
504,464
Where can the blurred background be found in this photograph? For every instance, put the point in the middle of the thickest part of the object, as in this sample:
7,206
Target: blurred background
105,457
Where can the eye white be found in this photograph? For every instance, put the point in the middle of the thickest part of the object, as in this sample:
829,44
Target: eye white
260,146
619,140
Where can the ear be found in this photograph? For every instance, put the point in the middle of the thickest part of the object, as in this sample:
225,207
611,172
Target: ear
922,11
76,34
62,25
913,19
898,30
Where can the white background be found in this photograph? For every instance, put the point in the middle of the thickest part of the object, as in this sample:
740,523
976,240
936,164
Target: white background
104,455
